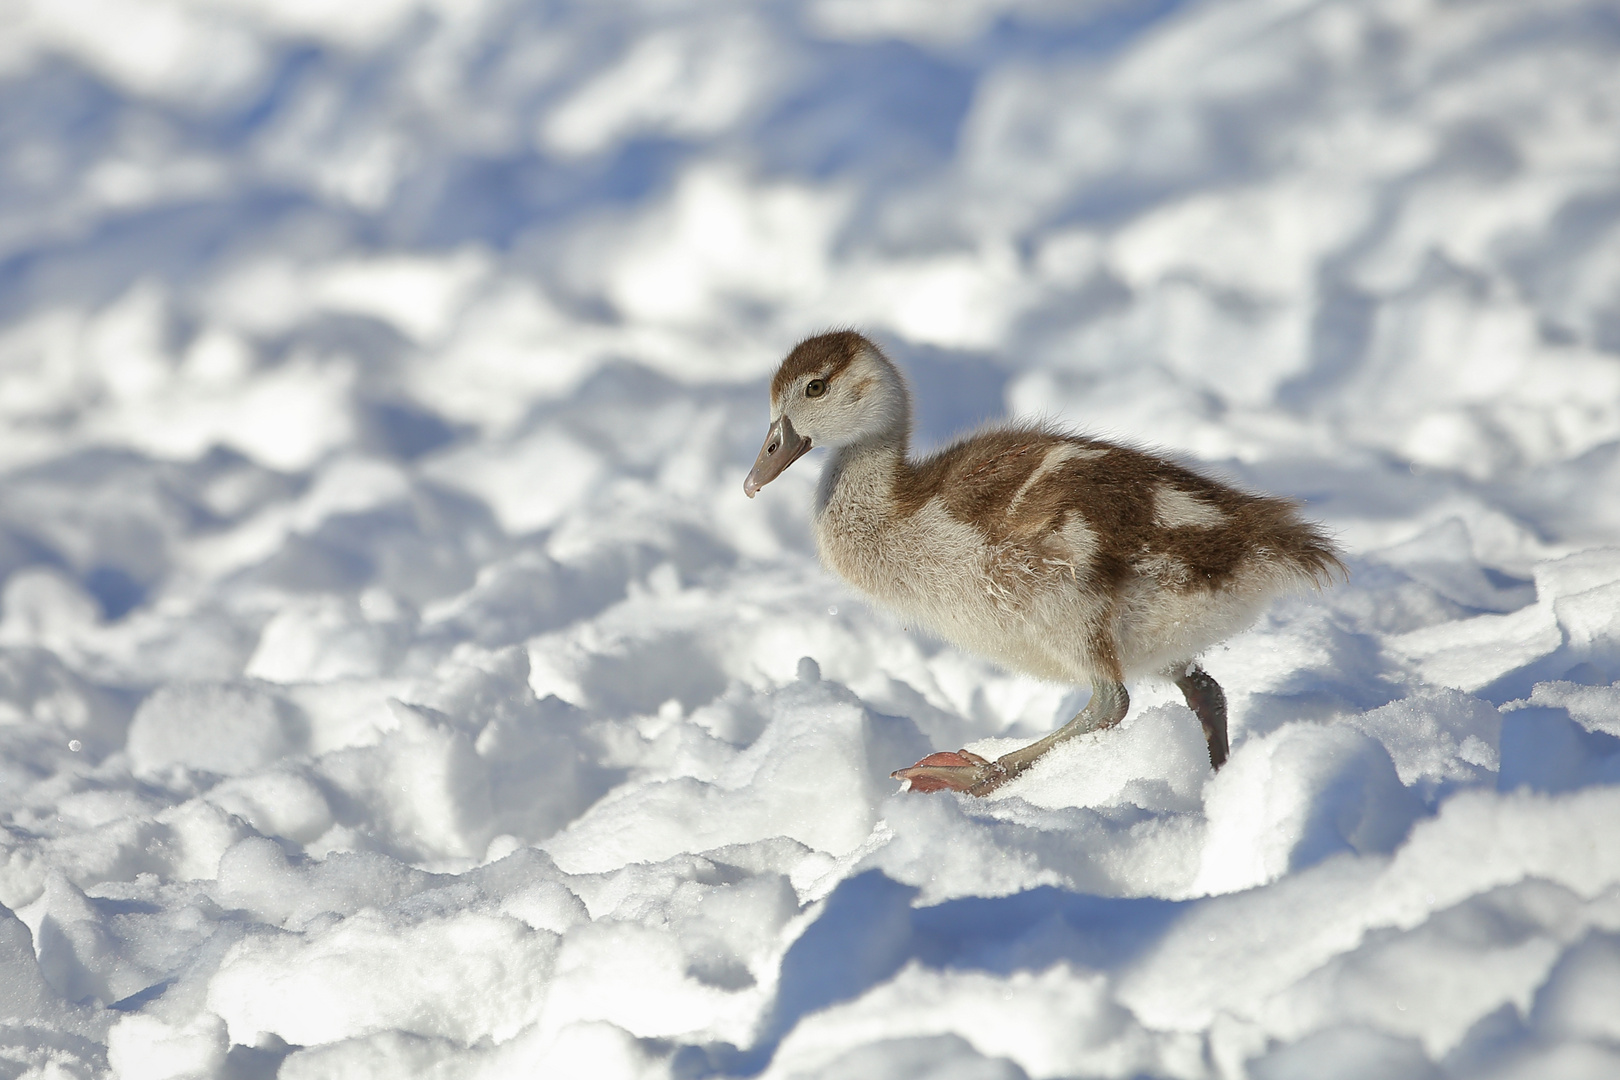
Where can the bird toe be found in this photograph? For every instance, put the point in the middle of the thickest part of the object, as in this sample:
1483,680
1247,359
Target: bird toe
953,771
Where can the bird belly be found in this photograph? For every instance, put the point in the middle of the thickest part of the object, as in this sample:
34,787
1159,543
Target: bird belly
1022,611
1162,626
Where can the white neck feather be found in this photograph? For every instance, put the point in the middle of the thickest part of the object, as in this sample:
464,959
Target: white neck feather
862,474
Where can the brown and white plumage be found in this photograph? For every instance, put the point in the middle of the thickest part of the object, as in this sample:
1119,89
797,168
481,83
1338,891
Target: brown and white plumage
1065,557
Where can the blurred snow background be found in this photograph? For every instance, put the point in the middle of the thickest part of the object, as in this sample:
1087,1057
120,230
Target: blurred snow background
395,682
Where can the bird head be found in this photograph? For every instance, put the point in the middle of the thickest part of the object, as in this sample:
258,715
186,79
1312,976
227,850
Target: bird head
833,390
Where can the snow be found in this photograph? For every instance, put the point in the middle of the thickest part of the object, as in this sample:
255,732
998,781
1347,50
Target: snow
394,680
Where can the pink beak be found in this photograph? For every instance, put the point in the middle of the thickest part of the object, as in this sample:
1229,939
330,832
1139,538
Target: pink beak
783,446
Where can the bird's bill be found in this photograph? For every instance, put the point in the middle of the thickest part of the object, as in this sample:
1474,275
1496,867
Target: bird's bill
783,446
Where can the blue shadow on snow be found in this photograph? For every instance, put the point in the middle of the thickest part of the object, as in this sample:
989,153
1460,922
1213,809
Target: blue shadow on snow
868,931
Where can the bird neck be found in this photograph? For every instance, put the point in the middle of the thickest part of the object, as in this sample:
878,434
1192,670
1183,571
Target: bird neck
865,473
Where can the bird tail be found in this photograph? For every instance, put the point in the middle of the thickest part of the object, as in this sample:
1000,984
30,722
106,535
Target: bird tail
1309,549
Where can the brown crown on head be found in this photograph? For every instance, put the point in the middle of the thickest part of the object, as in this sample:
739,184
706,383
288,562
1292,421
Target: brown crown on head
824,354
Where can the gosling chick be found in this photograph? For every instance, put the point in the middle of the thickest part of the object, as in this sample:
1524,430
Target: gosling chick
1064,557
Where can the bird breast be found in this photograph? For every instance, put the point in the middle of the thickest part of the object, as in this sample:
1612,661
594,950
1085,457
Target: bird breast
997,595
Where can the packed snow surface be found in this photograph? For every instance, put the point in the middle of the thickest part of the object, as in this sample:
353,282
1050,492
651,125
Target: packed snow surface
394,680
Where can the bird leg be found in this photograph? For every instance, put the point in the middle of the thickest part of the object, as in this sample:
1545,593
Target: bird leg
1205,699
975,775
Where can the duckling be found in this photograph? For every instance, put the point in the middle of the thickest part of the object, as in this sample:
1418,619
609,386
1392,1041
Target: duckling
1065,557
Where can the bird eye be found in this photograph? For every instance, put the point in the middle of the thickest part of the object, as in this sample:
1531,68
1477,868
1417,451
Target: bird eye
815,388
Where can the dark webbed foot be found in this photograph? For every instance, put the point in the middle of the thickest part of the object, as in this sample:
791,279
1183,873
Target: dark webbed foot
964,771
1208,703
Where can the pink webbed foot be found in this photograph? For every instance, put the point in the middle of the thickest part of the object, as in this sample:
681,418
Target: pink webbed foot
960,771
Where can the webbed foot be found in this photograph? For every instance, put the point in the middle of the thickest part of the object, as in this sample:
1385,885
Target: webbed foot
959,771
964,771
